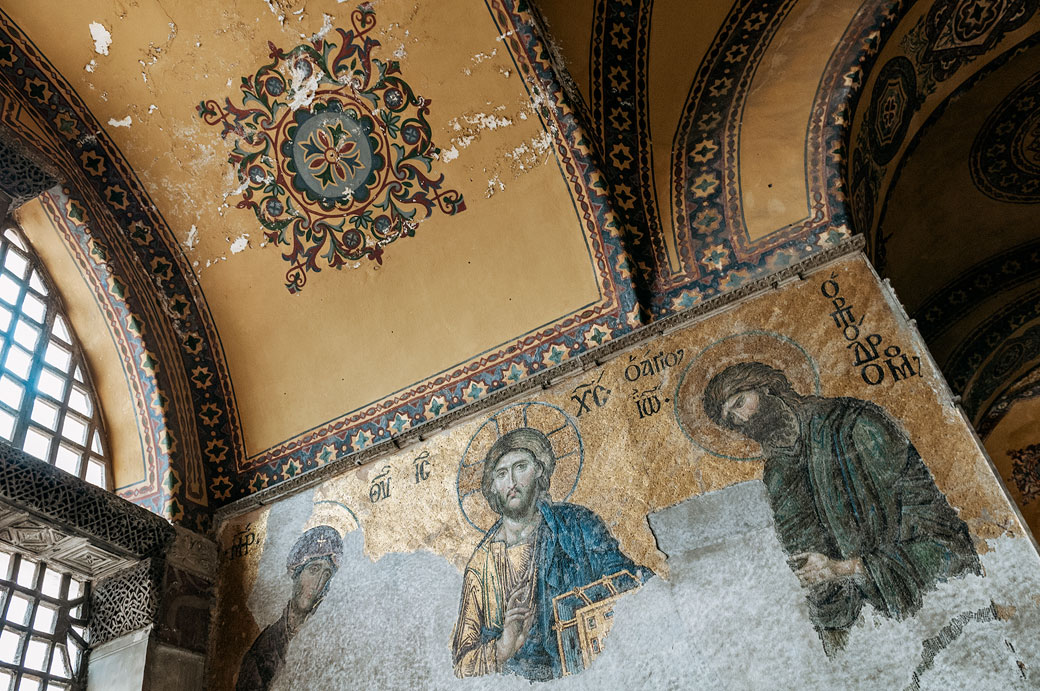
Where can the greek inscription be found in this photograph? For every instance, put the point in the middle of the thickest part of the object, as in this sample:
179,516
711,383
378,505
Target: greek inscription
590,394
873,362
242,541
647,402
651,365
422,467
380,487
899,364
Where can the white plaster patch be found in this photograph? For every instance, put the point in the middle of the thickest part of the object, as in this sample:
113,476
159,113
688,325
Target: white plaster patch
90,66
495,184
152,108
102,38
449,154
326,27
193,238
303,89
240,243
275,12
125,122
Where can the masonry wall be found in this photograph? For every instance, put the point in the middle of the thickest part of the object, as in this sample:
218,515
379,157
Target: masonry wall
863,541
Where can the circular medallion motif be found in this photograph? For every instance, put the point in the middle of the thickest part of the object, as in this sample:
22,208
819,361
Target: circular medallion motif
558,428
334,154
973,19
892,104
335,150
1005,156
331,154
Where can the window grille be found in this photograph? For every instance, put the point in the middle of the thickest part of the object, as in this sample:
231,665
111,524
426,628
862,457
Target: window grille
43,628
48,407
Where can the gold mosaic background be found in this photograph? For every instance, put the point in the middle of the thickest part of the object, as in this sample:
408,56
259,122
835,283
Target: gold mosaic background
636,458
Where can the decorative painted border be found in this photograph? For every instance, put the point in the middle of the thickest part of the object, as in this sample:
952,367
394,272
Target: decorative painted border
982,362
710,235
527,355
706,193
619,116
593,357
70,219
192,373
1002,164
94,261
1000,273
133,254
865,175
1000,406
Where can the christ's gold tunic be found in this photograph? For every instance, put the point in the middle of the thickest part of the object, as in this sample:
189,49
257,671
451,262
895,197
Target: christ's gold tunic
492,573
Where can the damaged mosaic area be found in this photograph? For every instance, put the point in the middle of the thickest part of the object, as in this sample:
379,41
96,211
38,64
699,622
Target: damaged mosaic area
804,490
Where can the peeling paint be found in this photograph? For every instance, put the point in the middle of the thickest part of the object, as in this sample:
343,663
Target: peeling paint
102,38
278,15
125,122
90,66
531,153
193,238
494,185
326,27
303,88
240,243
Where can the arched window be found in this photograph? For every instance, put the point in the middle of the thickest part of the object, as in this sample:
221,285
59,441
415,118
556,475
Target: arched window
48,406
43,627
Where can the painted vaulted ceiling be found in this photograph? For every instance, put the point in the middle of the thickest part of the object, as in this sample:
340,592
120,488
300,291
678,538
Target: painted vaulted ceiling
310,226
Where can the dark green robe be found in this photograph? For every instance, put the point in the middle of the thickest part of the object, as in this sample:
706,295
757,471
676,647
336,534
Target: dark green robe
854,486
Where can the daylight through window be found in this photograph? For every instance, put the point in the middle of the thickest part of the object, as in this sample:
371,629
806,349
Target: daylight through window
47,406
43,627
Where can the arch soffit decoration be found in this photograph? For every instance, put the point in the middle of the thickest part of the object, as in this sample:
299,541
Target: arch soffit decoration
715,250
138,272
170,349
904,77
979,367
200,430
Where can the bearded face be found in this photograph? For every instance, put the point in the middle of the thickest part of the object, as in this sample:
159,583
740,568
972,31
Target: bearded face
515,483
763,417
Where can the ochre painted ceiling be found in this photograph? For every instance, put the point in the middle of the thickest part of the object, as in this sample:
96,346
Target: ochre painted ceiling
298,360
313,225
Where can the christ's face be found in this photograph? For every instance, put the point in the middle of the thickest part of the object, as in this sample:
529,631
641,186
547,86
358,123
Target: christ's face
761,416
515,482
309,584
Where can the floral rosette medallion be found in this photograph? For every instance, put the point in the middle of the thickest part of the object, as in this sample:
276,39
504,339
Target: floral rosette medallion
334,151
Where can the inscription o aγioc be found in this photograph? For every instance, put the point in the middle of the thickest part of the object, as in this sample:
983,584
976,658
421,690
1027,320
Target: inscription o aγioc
770,348
1005,156
552,421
